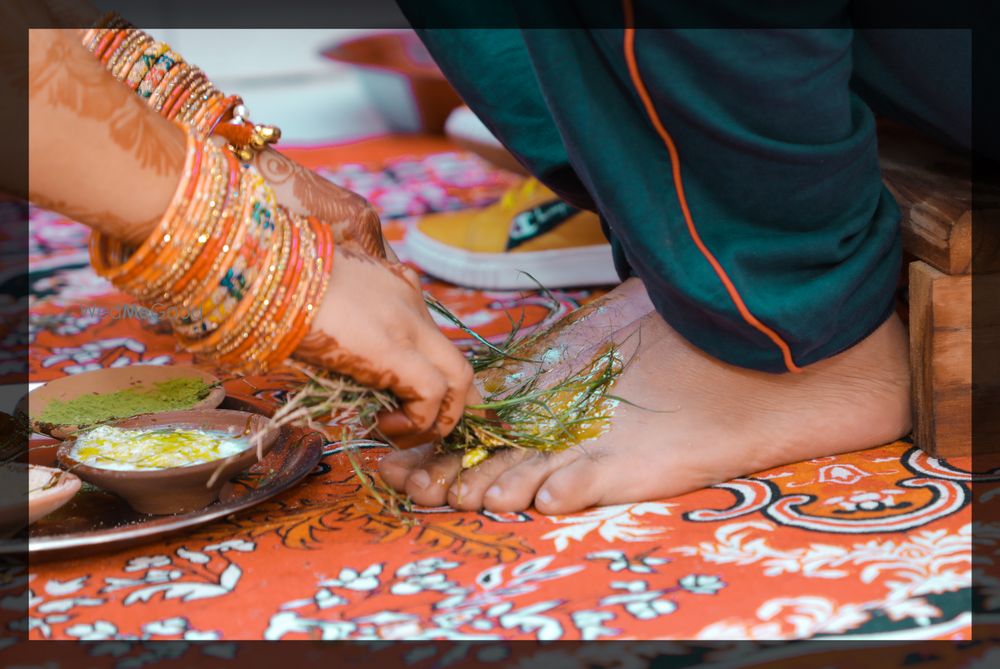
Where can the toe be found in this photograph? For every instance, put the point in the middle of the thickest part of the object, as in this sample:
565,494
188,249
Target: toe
574,487
469,487
428,484
515,488
396,466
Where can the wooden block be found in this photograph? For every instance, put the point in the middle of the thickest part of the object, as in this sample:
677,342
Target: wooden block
941,360
933,186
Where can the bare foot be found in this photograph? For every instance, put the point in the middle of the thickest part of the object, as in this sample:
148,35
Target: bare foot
704,422
558,350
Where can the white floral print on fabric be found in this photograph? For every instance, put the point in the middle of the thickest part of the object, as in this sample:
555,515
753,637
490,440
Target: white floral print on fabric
622,522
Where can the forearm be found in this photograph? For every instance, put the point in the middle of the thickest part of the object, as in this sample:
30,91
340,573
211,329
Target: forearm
57,67
97,153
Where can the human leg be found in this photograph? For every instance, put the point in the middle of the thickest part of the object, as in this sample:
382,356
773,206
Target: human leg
755,216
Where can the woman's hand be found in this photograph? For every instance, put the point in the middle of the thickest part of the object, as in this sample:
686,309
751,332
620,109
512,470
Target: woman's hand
304,192
373,325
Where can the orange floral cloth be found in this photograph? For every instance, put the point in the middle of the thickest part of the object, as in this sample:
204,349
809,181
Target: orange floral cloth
874,544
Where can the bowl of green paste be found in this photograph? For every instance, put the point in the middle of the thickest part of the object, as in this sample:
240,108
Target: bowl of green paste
64,406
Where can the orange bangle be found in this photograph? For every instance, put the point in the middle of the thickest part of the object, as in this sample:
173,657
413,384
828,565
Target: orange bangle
112,48
275,306
168,85
136,265
220,232
131,57
263,259
246,257
124,271
250,324
108,24
171,86
105,41
158,74
202,117
180,93
137,73
124,51
320,274
222,263
196,87
296,276
175,261
225,110
322,265
261,286
199,98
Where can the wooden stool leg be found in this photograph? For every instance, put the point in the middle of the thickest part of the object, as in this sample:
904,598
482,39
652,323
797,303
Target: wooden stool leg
941,360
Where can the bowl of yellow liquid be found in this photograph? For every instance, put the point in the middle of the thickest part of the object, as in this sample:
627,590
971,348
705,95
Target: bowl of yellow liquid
168,463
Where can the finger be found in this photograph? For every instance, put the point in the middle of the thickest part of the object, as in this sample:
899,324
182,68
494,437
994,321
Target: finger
421,388
397,428
406,441
394,423
467,491
474,397
458,375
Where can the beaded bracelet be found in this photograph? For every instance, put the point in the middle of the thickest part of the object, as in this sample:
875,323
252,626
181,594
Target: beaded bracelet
174,88
161,74
137,73
240,321
230,342
316,288
248,274
224,216
240,272
172,266
221,236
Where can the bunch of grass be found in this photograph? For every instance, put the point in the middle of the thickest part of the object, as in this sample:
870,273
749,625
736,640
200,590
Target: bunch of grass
523,415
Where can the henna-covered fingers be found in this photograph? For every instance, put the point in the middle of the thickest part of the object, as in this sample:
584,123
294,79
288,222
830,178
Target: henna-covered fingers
373,325
458,376
421,397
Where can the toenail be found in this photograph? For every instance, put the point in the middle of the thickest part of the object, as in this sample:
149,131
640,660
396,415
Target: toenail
544,496
460,491
494,491
421,479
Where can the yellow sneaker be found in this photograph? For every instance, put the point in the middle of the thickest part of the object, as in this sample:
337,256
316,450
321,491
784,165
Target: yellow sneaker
530,231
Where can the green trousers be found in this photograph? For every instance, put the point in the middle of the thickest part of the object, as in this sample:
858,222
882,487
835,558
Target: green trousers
736,171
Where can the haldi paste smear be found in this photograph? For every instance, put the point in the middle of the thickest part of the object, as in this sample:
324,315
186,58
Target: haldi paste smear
574,410
125,449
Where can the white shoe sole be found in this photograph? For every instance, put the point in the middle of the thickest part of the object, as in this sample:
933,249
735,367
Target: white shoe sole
564,268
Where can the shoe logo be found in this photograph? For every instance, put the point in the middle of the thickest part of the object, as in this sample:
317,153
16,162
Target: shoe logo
537,221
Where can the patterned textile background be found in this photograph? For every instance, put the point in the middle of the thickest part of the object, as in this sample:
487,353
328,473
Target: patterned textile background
874,544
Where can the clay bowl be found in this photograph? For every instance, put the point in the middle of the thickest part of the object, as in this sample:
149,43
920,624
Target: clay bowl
177,489
32,488
400,76
109,381
54,488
